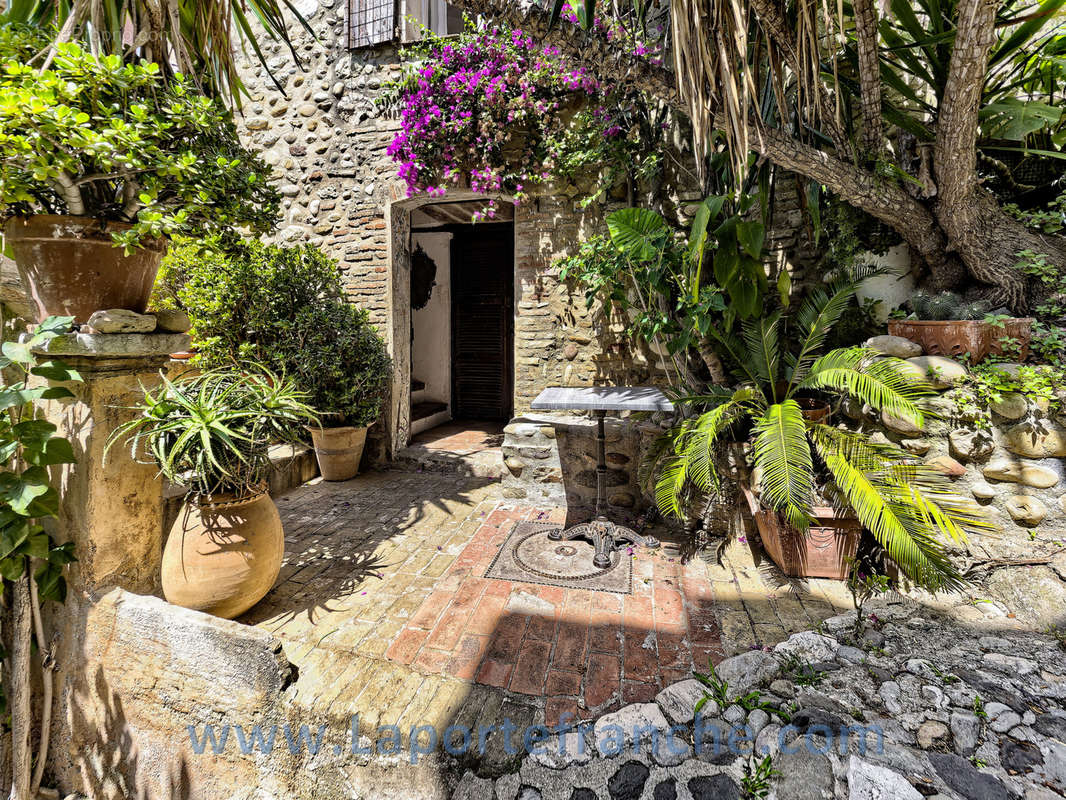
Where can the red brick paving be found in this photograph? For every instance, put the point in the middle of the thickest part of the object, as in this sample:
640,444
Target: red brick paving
593,652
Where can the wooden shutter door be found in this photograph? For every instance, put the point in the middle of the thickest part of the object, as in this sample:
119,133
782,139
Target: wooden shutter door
483,322
371,22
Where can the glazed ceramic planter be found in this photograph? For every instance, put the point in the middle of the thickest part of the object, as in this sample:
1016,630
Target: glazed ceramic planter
70,266
339,451
223,555
825,551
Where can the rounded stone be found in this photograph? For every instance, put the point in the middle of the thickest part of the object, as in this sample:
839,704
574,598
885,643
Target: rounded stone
1026,510
172,320
621,499
894,346
970,445
983,490
940,371
1015,471
901,426
121,320
917,446
930,733
1011,405
947,466
1046,441
515,465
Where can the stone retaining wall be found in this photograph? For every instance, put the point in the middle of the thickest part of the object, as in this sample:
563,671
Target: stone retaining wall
550,459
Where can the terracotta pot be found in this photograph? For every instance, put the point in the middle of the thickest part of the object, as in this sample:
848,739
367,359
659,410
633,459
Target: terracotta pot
824,551
1020,329
223,555
338,451
70,266
814,410
952,338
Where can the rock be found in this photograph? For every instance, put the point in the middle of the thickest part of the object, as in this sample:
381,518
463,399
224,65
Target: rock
963,777
1052,725
867,781
628,782
918,447
529,793
614,732
808,646
563,750
471,787
947,465
768,742
172,320
714,787
1001,718
746,671
664,790
940,371
903,427
1019,757
672,751
1055,765
805,775
931,733
1014,471
894,346
1010,665
678,701
735,716
965,730
1011,405
971,445
1025,510
983,490
757,720
879,438
889,692
1046,440
121,320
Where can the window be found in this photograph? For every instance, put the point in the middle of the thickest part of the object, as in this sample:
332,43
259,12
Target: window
437,15
371,22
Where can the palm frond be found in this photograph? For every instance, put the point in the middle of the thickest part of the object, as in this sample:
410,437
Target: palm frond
764,354
814,319
783,453
885,384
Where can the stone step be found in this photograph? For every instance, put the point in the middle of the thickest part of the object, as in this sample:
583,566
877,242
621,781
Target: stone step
426,408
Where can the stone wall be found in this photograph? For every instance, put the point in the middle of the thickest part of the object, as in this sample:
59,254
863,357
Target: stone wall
550,459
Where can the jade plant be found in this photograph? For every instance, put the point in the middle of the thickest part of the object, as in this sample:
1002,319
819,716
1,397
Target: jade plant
801,460
97,137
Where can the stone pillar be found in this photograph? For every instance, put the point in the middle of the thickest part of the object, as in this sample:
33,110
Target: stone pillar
111,505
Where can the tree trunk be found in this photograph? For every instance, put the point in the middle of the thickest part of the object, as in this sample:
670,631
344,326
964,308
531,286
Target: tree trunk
961,230
17,685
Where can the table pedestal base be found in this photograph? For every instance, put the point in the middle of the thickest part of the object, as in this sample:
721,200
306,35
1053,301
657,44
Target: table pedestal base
606,537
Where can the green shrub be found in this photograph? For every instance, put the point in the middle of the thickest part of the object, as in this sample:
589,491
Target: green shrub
282,307
96,137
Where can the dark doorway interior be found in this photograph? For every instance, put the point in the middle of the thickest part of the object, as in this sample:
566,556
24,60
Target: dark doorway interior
482,272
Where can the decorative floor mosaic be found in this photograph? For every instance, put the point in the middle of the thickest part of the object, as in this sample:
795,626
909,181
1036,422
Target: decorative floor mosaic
529,554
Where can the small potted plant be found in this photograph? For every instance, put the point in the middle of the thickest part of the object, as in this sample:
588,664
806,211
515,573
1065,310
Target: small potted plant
344,366
102,162
946,325
816,486
284,307
212,431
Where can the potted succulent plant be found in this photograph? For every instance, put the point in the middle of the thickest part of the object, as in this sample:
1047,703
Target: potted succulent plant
284,307
212,432
946,325
102,162
816,486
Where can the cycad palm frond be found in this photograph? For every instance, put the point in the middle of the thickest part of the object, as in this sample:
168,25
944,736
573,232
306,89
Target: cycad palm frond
902,504
884,384
763,351
814,319
694,448
783,453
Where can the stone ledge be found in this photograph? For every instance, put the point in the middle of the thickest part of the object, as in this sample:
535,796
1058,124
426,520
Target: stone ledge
114,345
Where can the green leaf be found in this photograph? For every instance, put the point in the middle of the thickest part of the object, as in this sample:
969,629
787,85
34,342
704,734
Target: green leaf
55,371
18,352
21,491
783,453
751,236
1014,119
638,233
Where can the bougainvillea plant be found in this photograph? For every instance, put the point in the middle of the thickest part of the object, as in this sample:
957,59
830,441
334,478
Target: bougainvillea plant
505,113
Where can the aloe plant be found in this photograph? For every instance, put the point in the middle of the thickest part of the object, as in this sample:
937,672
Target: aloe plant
908,506
213,430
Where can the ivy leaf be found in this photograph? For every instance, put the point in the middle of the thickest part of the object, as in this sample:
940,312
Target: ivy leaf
27,491
55,371
51,585
12,568
55,451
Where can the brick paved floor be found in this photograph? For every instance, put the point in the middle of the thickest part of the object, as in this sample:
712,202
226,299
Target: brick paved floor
461,438
383,607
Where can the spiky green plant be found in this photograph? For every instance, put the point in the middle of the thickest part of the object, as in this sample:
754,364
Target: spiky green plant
213,430
908,506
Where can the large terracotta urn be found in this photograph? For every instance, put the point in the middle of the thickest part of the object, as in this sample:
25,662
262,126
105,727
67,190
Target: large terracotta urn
339,451
223,555
70,266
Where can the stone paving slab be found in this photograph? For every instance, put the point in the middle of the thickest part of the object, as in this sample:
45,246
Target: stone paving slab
383,607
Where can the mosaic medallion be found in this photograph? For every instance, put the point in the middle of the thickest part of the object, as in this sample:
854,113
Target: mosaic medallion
529,556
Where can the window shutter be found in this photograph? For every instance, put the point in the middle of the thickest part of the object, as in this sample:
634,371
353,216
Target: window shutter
371,22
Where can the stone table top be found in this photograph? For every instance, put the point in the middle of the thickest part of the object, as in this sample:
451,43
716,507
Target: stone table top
602,398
